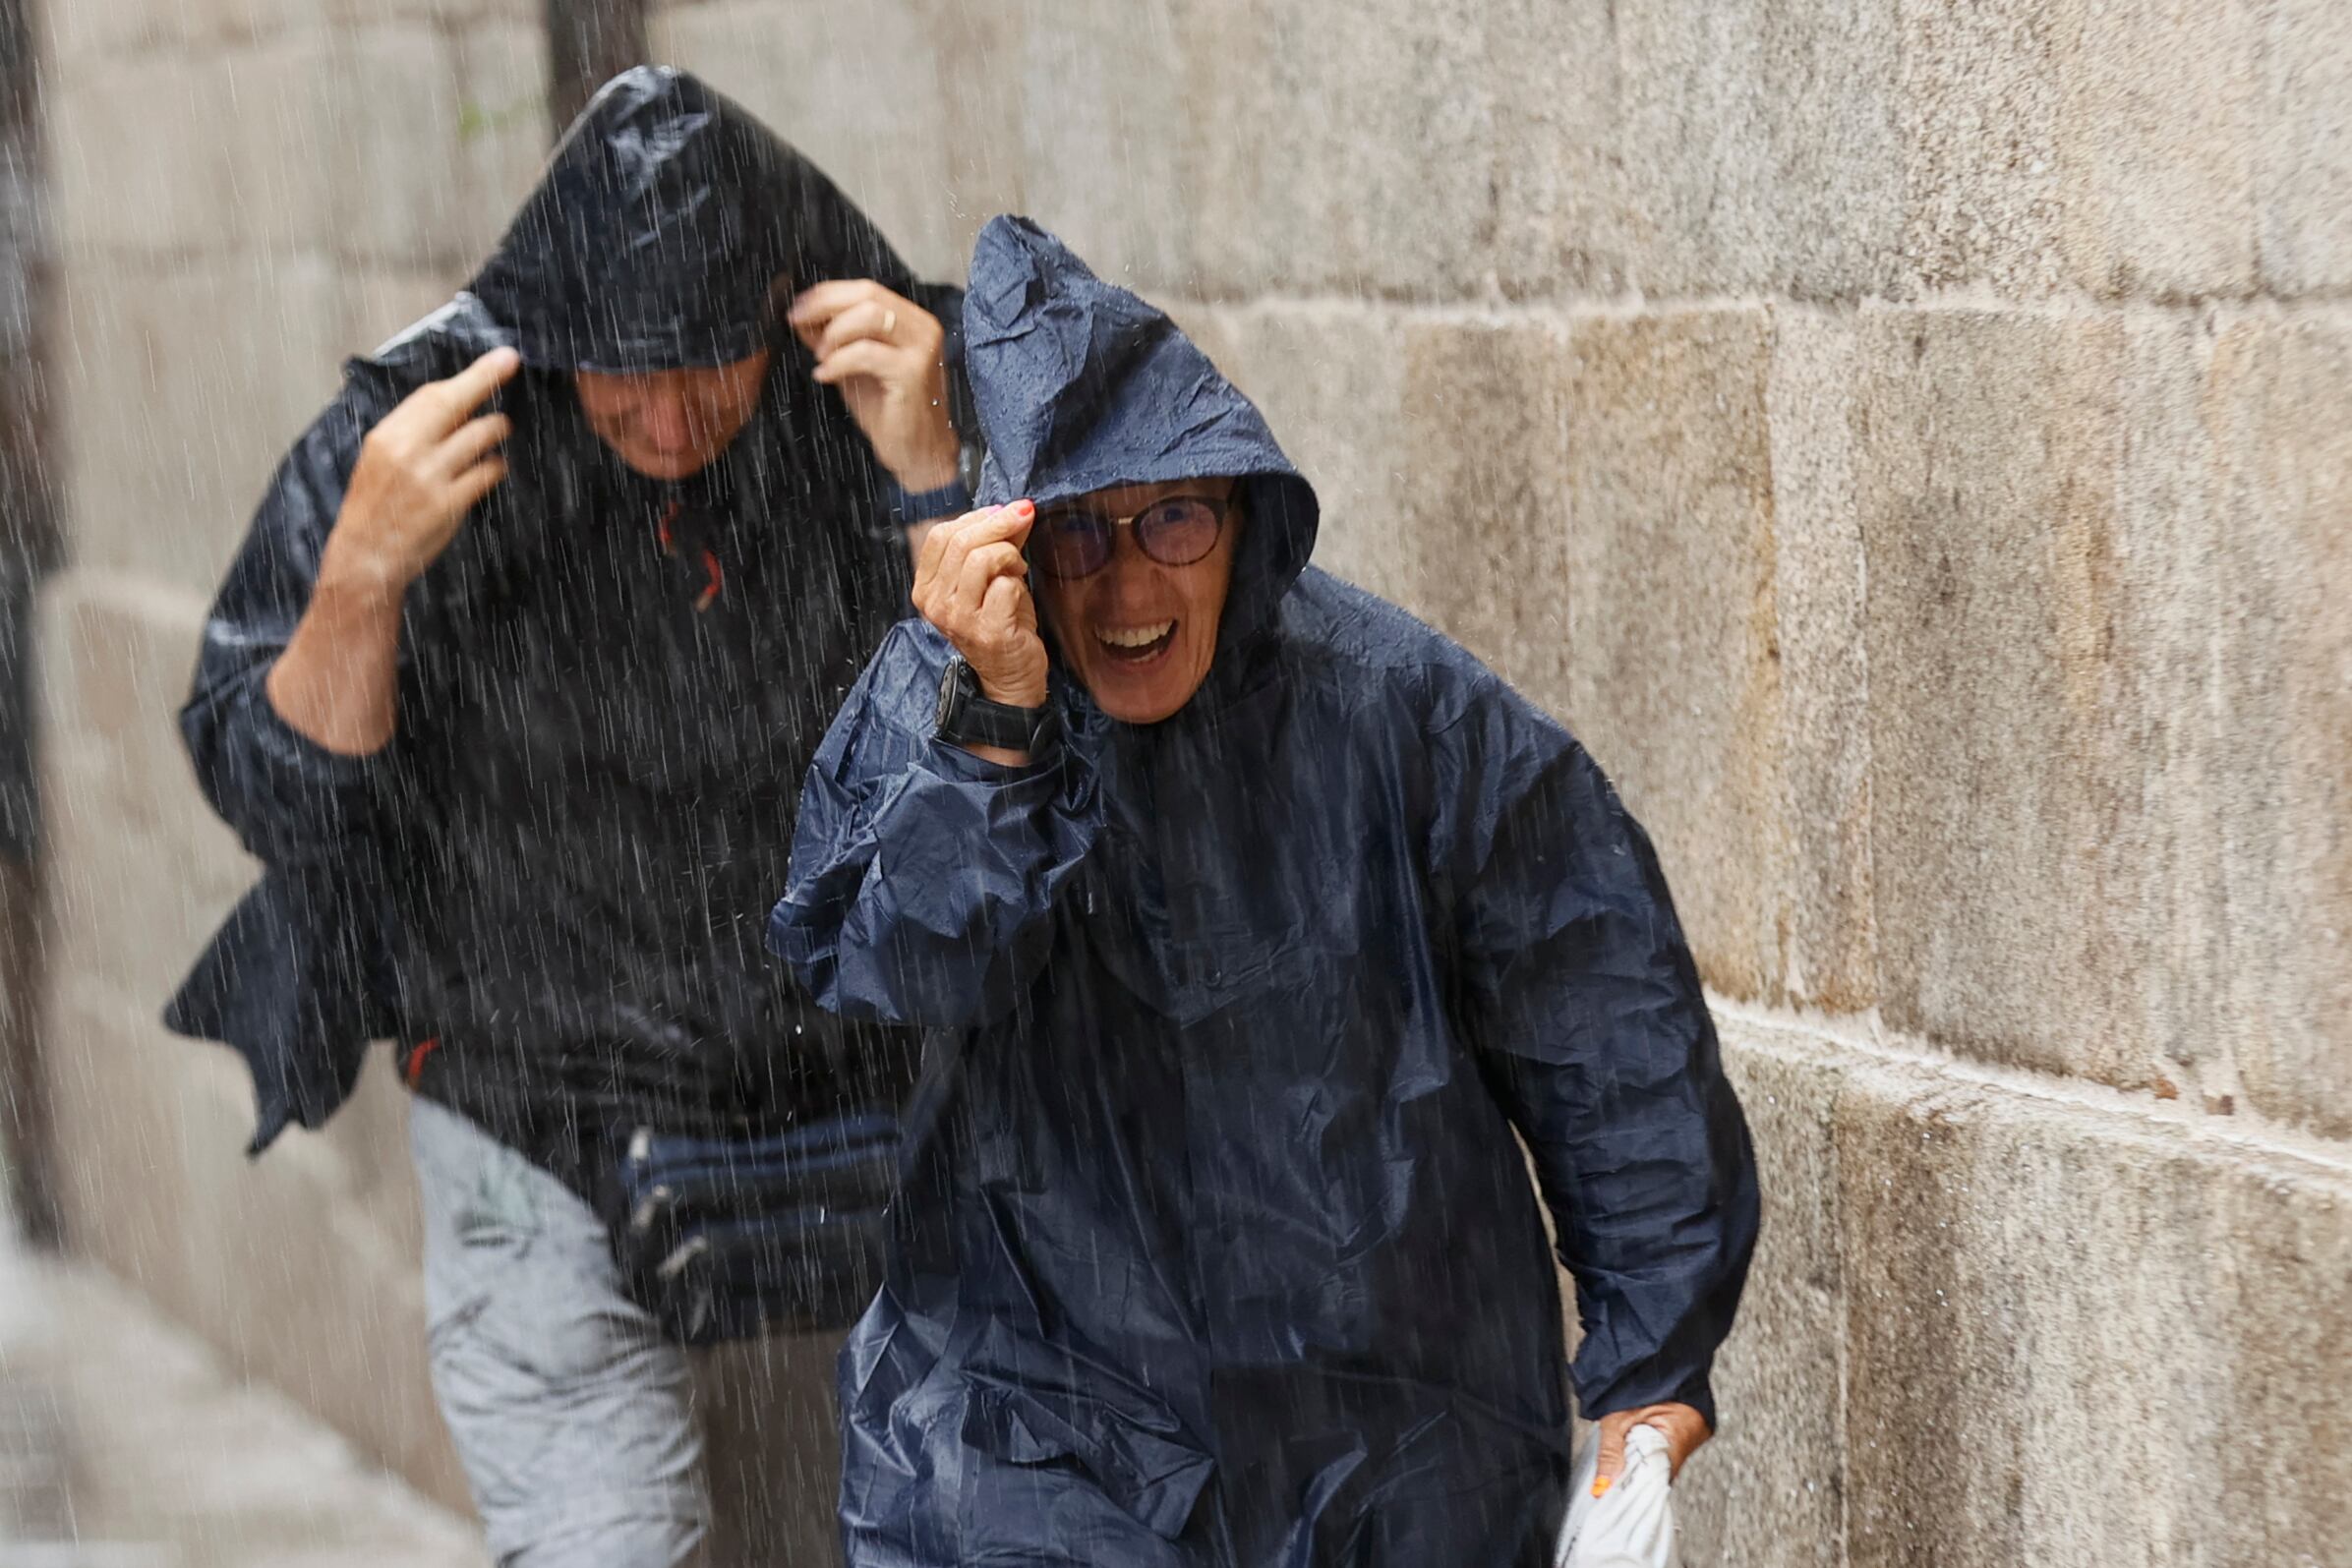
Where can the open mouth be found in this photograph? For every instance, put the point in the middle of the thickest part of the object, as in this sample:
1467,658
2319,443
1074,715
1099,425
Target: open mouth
1136,645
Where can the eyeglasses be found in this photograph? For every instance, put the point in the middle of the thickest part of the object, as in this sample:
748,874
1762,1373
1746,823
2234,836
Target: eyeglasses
1175,531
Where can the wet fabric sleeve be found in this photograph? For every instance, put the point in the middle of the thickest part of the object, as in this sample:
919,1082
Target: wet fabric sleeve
295,979
922,878
293,801
1581,995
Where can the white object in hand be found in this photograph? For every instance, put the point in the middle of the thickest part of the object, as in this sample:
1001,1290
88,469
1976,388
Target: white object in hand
1632,1524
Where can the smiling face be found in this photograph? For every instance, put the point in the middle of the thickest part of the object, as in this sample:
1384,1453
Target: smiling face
1140,633
671,424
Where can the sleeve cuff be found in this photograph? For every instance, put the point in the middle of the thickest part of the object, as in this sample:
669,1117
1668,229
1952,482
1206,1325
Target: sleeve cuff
288,747
1697,1391
953,762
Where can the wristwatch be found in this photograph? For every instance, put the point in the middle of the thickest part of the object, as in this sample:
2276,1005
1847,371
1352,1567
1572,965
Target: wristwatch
967,719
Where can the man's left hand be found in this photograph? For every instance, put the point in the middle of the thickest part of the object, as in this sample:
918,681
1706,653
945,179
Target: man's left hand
1684,1428
883,351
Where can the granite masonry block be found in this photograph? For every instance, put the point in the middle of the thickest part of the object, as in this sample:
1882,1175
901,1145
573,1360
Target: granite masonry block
167,154
2027,653
1979,110
1674,679
1486,518
141,871
1346,151
1821,609
2068,1336
2305,166
182,388
2276,407
1768,1489
859,89
2158,138
1758,144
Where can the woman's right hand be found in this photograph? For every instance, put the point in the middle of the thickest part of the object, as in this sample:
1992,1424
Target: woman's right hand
971,583
420,470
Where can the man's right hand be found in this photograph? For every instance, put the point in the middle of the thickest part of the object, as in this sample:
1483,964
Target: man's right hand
971,582
420,470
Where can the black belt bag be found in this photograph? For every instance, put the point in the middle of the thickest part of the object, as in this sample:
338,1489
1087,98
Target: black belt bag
725,1239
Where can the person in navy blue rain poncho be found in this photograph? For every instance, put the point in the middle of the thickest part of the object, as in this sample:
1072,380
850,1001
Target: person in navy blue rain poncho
1248,930
508,701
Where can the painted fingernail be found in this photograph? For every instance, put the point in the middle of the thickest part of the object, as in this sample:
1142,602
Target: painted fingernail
1601,1486
1025,508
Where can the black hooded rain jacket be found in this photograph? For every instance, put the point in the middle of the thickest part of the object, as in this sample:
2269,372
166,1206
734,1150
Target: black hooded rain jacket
549,884
1217,1246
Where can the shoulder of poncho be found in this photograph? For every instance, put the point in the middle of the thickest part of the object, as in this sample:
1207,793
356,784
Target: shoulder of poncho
432,347
900,685
329,444
1354,637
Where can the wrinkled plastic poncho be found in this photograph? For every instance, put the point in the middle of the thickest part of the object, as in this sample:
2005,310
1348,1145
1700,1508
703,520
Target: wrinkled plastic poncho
610,687
1217,1245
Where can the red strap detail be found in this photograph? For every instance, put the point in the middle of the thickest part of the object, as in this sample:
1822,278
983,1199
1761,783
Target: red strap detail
415,1068
714,575
715,586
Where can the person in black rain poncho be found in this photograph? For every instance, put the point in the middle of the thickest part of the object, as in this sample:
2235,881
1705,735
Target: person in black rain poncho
510,689
1249,929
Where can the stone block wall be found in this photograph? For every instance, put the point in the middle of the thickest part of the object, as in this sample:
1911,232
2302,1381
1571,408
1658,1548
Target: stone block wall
1911,442
1911,445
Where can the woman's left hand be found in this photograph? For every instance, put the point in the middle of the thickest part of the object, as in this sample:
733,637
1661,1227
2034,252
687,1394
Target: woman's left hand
1684,1428
883,351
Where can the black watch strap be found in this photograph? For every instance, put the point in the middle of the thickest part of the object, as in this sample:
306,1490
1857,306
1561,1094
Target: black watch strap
967,719
951,499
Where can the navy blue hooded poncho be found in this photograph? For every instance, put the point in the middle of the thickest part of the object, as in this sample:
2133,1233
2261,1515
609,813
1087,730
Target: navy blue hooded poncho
1217,1243
611,687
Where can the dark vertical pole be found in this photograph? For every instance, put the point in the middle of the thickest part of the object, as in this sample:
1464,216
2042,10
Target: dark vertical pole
589,42
28,546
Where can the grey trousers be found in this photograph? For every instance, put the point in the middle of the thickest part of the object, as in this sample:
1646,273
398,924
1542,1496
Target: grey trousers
589,1438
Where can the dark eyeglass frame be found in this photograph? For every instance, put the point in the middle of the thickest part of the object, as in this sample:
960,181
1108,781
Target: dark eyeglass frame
1052,519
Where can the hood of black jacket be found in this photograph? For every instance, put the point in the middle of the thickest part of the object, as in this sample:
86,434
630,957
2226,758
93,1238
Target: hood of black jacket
670,230
1080,385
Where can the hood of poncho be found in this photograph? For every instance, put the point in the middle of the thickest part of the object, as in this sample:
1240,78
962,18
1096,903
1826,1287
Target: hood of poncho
1080,385
670,230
